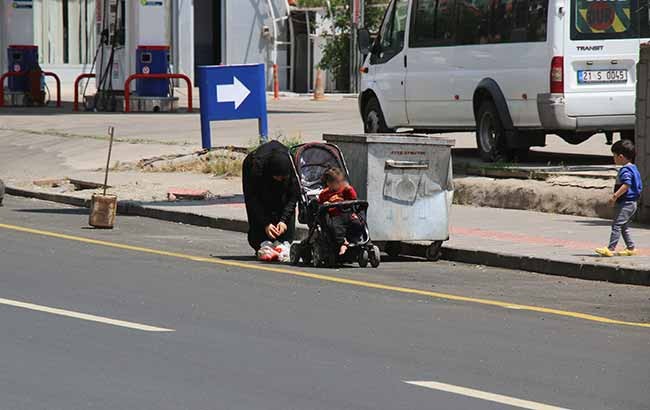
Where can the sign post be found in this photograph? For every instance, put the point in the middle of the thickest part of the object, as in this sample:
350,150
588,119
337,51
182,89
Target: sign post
232,92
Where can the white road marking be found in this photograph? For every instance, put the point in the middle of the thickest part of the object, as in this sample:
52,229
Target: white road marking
83,316
478,394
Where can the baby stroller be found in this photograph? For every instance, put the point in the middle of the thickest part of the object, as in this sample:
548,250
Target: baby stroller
319,248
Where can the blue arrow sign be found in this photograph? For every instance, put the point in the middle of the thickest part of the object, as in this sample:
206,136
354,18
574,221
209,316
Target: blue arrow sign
232,92
235,92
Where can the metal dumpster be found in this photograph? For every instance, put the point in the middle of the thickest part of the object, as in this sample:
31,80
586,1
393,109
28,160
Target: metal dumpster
407,179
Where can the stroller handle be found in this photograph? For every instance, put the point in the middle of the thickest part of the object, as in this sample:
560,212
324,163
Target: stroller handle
357,206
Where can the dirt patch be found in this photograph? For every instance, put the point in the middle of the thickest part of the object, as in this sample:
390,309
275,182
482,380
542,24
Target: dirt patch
221,162
561,195
217,162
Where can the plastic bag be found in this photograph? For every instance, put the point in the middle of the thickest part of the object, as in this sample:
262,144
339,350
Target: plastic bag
274,251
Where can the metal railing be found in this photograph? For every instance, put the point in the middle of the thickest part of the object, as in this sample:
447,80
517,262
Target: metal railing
127,86
75,106
25,73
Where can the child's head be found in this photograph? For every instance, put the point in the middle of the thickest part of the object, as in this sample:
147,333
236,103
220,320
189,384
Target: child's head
334,179
623,151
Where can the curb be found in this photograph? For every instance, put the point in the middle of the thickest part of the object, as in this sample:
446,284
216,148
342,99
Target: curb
614,274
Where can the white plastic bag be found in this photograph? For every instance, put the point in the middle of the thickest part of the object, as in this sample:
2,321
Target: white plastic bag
274,251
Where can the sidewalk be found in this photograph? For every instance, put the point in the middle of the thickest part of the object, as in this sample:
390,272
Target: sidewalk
546,243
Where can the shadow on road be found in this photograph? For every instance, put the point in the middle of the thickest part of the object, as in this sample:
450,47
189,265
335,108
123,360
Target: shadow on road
55,211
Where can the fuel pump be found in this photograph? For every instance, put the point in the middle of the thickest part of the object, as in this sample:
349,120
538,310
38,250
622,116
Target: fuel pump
25,84
133,39
111,58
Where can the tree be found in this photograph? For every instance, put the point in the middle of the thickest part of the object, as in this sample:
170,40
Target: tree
336,52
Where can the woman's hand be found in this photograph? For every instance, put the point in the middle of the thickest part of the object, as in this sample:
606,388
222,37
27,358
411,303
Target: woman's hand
272,231
281,228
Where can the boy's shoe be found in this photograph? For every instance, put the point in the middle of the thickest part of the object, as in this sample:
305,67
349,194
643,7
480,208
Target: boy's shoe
604,252
627,252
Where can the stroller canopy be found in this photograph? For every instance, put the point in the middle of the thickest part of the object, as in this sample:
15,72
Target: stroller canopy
312,160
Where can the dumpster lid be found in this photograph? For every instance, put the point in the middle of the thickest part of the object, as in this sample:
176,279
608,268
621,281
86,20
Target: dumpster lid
417,139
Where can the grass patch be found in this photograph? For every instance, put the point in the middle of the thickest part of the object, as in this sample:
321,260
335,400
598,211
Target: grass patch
287,140
221,162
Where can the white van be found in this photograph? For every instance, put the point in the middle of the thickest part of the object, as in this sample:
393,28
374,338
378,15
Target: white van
513,70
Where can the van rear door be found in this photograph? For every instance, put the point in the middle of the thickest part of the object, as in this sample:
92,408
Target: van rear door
600,57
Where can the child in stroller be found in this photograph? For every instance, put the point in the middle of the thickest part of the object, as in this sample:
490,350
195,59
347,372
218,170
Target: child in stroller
341,225
329,221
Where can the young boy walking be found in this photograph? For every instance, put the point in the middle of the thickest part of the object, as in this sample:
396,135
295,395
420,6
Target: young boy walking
625,198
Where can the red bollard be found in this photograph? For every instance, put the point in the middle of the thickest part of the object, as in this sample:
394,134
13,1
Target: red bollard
276,83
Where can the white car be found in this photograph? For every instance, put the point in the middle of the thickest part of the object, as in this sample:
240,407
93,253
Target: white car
513,70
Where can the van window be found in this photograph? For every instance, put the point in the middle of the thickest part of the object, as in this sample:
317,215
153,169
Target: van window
433,23
537,18
392,32
502,21
603,19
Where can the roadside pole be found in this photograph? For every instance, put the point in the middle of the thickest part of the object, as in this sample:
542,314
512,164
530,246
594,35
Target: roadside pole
643,128
356,17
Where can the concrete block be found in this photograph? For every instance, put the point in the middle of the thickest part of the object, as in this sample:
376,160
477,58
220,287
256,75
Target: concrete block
642,72
642,131
182,193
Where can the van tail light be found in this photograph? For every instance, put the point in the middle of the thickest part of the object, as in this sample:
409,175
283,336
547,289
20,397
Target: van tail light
557,75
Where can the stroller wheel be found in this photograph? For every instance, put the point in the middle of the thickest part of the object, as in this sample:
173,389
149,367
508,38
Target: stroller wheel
374,256
315,257
294,253
305,254
363,258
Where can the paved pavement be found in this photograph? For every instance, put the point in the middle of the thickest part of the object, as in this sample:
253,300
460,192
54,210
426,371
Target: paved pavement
251,336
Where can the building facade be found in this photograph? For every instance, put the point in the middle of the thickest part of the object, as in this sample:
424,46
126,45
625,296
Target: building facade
200,32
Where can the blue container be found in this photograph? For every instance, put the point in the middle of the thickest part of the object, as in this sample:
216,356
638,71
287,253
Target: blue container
152,60
21,58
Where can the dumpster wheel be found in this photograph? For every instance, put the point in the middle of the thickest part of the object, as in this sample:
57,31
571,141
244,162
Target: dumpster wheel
433,251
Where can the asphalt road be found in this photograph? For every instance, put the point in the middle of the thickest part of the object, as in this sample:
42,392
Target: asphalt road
154,315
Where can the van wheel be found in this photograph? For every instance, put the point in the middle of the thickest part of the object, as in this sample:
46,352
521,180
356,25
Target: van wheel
373,118
490,134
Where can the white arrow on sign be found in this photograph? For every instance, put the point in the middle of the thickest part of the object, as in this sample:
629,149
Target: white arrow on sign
235,92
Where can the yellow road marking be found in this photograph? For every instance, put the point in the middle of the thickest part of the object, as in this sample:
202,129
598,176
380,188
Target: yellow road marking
83,316
483,395
328,278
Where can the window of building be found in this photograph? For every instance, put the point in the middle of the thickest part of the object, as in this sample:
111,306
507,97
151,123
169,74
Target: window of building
64,31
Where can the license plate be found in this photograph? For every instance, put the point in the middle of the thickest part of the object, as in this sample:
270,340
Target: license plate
602,76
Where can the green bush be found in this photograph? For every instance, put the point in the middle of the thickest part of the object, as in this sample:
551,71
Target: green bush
336,53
